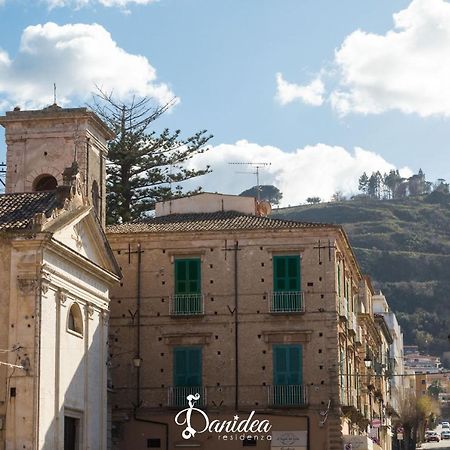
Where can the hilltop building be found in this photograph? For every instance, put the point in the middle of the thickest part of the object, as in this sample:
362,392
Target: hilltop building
56,268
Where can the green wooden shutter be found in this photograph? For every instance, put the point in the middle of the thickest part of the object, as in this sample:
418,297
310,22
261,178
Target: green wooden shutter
295,364
339,279
194,366
187,276
286,273
179,366
187,366
287,365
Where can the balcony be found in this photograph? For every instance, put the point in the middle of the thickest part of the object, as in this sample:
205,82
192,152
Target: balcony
288,396
350,398
187,305
251,397
343,311
177,396
352,323
287,302
359,336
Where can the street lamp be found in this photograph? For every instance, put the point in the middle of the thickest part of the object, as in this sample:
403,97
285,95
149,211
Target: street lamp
367,362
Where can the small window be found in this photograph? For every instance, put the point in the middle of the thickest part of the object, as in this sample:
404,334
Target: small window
153,443
45,183
72,433
75,319
95,197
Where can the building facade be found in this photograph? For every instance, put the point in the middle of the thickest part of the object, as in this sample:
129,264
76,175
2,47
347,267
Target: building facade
56,269
251,313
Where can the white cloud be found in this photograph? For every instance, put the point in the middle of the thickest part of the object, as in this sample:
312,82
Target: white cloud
311,94
81,3
76,57
316,170
406,69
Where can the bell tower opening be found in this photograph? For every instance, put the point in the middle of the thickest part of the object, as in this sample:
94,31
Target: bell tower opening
44,183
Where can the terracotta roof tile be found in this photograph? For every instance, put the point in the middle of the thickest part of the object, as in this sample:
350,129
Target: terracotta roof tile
17,210
218,221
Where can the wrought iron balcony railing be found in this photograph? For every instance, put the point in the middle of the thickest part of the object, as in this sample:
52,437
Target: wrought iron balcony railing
287,302
187,305
178,396
288,395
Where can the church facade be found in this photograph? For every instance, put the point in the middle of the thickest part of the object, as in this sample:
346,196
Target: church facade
56,269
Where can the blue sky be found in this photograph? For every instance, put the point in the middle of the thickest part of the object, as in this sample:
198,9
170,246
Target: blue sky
369,76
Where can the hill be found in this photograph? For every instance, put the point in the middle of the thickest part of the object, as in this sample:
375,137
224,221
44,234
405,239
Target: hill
404,245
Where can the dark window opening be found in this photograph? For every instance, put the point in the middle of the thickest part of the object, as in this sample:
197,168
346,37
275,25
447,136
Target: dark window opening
153,443
95,197
71,433
45,183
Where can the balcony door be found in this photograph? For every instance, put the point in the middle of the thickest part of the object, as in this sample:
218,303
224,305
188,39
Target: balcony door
187,374
287,375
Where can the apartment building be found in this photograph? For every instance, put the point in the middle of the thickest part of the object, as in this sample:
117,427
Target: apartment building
240,316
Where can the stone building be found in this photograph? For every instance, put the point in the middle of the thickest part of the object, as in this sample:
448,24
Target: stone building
56,268
251,313
396,353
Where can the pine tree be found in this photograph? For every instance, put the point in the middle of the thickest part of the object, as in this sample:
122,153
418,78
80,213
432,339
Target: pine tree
144,165
363,183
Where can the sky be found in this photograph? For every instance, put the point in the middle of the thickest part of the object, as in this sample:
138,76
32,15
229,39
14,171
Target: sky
322,90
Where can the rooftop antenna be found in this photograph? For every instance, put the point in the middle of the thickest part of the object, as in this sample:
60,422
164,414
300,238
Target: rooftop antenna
257,166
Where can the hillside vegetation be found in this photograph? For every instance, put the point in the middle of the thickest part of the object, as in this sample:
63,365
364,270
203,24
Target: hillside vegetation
404,245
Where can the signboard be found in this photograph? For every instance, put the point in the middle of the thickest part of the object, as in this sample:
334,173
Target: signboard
289,440
376,423
399,436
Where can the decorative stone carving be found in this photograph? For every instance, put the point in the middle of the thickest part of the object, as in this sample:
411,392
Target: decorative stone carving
90,311
27,286
62,296
44,286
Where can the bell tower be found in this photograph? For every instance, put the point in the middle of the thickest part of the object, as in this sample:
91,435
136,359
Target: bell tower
42,143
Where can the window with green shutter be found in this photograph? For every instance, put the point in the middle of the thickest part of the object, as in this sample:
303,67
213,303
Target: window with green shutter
287,296
287,376
187,299
339,279
187,374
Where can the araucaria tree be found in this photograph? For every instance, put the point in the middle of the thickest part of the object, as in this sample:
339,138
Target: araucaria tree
144,166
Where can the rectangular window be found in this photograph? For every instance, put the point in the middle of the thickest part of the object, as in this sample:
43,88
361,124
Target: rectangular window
71,433
287,376
339,279
188,298
153,443
187,374
287,295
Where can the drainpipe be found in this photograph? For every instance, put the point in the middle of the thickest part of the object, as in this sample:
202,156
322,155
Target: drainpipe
138,331
236,326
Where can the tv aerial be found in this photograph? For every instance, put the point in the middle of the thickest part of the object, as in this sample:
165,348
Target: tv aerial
257,166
